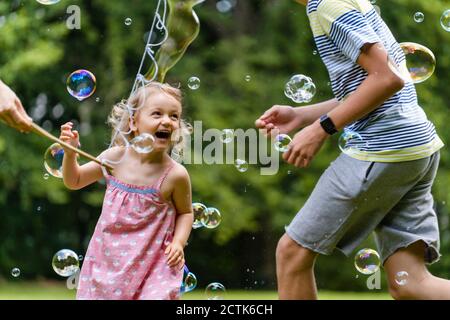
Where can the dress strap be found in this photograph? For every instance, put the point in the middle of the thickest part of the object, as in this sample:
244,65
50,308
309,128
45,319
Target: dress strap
105,171
163,176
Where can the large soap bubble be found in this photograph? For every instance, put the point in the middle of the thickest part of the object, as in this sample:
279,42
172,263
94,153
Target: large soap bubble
420,61
300,89
81,84
367,261
53,159
65,262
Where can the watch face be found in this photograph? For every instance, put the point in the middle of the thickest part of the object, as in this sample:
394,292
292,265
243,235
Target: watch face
327,124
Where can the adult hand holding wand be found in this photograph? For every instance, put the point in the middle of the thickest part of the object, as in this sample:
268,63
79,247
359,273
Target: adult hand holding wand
14,115
12,111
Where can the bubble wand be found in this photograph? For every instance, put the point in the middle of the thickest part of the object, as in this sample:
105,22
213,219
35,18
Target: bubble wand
42,132
183,26
181,29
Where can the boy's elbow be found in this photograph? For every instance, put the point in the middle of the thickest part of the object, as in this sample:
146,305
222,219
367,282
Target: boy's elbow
395,83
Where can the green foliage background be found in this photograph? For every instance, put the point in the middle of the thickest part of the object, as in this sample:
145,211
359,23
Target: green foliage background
269,40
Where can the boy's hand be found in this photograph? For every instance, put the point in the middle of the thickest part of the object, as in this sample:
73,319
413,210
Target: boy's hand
279,119
69,136
305,145
175,255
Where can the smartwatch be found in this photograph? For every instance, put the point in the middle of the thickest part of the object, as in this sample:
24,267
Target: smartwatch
327,124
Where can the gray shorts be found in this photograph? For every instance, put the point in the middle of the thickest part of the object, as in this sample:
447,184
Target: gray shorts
353,198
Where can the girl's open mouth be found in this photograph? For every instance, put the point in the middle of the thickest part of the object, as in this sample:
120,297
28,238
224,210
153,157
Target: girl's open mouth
162,134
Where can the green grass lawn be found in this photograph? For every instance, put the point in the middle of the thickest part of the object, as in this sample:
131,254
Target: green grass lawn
58,291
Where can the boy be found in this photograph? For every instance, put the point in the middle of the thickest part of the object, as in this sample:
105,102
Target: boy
385,185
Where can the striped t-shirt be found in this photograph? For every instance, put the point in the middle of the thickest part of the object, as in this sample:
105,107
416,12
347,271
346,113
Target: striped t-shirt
396,131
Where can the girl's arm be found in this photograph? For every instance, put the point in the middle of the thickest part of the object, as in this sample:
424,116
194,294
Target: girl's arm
182,199
75,176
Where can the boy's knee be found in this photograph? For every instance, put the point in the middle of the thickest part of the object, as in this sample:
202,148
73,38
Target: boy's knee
399,292
403,290
291,253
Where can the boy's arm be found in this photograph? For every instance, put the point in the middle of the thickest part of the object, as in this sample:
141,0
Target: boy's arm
314,111
380,84
284,119
182,199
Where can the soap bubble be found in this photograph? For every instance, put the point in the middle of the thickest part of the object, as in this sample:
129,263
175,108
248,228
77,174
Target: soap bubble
248,78
53,159
445,20
212,218
241,165
65,262
227,135
143,143
367,261
351,141
194,83
215,291
81,84
282,142
400,70
377,9
128,21
15,272
419,17
189,281
420,61
177,155
199,210
224,6
401,278
300,89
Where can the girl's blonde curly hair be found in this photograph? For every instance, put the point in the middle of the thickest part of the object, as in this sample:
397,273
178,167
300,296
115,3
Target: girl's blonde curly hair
122,112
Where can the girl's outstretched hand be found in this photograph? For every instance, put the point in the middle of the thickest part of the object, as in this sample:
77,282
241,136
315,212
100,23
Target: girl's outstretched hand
175,255
69,136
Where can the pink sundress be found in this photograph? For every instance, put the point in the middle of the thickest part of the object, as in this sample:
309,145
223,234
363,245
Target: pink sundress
125,258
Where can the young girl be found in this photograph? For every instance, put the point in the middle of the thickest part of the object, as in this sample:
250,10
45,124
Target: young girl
136,251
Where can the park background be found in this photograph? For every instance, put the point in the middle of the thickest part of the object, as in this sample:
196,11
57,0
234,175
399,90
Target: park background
268,40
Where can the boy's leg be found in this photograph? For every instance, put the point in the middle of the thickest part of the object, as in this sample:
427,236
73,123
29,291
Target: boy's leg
295,271
419,283
349,201
337,214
